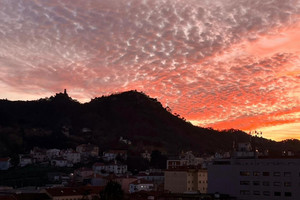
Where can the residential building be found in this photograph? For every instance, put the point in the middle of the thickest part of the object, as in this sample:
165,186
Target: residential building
52,153
59,162
71,156
156,177
125,182
186,180
88,150
115,168
25,160
247,177
140,185
66,193
38,154
112,155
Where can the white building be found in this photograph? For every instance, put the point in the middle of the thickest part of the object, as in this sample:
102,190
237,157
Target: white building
25,160
249,178
109,168
112,155
59,162
71,156
140,185
38,154
52,153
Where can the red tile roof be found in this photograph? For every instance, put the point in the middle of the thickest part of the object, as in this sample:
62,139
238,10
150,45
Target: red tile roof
4,159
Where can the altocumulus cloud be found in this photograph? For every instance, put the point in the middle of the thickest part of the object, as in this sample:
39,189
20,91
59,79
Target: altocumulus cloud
222,63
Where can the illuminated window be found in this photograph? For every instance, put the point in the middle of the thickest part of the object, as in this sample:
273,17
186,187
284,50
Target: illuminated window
245,173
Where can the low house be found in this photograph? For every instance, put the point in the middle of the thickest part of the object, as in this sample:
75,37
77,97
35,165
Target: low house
113,154
88,150
25,160
115,168
78,193
141,185
52,153
156,177
59,162
125,182
5,163
84,174
71,156
38,154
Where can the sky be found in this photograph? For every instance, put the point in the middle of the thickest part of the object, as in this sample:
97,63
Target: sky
218,63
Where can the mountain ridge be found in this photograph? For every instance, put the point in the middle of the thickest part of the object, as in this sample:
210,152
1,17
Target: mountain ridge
59,121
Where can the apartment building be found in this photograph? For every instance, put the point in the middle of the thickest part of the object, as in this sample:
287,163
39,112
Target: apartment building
248,177
186,180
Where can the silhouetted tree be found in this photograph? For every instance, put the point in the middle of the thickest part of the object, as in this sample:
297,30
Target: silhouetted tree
158,160
112,191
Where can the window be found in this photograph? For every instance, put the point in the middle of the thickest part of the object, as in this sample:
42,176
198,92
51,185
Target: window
276,174
287,184
266,183
266,193
276,184
244,182
256,183
256,173
288,194
277,194
244,173
266,173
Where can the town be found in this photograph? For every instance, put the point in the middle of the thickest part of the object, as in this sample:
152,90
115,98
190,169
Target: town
84,172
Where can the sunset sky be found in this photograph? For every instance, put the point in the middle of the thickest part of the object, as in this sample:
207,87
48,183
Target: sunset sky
218,63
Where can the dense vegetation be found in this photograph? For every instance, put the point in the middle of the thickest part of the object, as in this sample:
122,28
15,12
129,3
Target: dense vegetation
62,122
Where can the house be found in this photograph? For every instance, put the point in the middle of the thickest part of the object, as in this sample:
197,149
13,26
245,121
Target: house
140,185
155,177
125,182
38,154
115,168
112,155
5,163
59,162
52,153
25,160
125,141
78,193
186,180
88,150
71,156
84,174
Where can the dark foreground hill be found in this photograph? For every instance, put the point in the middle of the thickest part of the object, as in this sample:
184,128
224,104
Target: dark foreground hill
62,122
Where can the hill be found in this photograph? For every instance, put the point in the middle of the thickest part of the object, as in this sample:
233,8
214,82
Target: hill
61,122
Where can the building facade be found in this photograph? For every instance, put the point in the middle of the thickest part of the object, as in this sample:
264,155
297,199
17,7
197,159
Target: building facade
254,178
186,180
